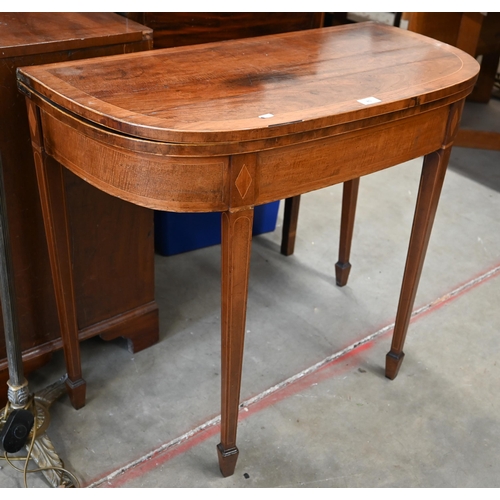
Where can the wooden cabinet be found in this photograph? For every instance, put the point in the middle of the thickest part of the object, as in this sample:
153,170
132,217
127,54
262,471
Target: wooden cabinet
173,29
111,240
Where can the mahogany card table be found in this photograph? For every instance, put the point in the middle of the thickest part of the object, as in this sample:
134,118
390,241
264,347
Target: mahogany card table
226,126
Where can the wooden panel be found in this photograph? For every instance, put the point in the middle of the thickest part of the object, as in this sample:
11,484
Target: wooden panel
447,27
160,182
286,172
173,29
489,40
443,26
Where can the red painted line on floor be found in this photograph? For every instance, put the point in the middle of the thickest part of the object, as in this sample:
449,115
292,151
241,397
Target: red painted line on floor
160,458
328,370
329,367
457,292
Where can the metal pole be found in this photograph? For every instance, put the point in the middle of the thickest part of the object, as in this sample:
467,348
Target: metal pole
42,451
18,392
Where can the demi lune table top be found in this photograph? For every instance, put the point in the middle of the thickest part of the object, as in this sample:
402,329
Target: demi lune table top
253,89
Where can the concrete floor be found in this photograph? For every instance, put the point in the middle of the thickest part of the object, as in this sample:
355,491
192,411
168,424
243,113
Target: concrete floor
318,411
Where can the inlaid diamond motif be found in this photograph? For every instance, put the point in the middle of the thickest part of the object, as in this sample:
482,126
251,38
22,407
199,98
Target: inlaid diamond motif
243,181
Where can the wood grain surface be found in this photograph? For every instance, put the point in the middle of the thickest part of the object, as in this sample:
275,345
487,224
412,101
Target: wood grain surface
28,33
219,92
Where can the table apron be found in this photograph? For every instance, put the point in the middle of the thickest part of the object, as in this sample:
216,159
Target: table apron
206,183
160,182
297,169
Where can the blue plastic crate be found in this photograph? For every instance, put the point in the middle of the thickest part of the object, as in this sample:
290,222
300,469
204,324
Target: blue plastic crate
181,232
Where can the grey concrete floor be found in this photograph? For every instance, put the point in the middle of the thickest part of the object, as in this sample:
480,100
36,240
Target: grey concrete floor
318,411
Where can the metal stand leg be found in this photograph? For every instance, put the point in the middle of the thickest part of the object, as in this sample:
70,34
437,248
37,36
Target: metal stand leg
43,452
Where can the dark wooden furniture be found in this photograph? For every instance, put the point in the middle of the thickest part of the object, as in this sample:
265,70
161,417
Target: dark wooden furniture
478,34
174,29
114,295
224,127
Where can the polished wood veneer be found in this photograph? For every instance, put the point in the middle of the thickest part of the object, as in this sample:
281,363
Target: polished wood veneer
227,126
114,296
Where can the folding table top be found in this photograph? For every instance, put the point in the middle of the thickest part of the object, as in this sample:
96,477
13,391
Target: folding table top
257,88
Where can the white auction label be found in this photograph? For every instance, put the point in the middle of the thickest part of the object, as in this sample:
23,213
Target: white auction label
369,100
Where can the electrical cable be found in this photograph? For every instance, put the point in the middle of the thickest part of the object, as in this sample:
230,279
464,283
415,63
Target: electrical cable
72,481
